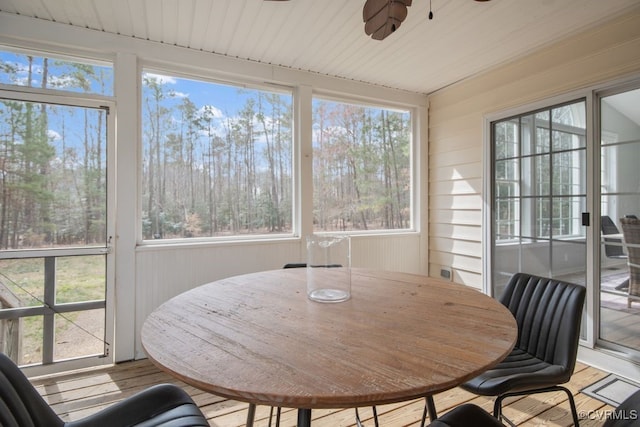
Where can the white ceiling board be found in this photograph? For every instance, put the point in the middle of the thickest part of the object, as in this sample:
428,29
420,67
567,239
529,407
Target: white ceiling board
327,36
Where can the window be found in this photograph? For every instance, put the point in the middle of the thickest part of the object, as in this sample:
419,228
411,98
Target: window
217,159
50,72
361,167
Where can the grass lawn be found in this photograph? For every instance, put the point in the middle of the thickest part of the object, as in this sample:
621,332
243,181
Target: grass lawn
79,278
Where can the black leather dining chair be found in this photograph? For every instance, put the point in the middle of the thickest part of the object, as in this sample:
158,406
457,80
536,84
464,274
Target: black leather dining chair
161,405
548,314
613,247
467,415
631,233
627,414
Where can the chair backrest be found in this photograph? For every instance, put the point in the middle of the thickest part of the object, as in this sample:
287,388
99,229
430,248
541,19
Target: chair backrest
614,250
20,403
631,233
548,313
608,226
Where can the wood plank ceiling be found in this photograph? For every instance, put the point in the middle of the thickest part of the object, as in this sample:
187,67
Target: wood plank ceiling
327,36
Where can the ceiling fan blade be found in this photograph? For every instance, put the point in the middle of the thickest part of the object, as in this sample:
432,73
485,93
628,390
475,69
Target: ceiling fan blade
373,7
396,12
383,17
387,29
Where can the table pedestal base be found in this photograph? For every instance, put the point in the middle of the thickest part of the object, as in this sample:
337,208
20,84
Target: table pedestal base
304,417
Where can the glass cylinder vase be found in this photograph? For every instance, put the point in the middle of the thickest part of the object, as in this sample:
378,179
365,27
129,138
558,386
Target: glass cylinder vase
328,268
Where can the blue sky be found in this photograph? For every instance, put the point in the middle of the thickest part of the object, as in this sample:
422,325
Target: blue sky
225,98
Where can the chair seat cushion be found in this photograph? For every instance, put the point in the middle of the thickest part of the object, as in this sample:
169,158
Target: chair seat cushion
467,415
519,371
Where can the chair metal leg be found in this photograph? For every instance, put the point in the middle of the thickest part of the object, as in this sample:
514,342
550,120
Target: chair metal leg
358,421
375,417
430,408
497,407
497,411
572,403
278,412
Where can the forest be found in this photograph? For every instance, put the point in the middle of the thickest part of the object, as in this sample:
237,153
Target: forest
209,171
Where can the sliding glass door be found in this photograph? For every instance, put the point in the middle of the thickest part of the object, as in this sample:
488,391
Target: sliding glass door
619,296
544,198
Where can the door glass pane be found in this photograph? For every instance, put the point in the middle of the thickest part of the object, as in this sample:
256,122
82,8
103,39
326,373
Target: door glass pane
568,177
80,278
536,176
566,255
542,218
535,257
22,282
535,133
567,218
53,181
619,157
507,222
620,197
78,334
506,139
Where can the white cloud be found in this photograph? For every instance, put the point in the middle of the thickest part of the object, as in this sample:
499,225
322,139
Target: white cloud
210,110
62,82
53,135
160,78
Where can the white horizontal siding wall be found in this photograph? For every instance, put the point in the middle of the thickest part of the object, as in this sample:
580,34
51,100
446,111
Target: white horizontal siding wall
163,272
456,130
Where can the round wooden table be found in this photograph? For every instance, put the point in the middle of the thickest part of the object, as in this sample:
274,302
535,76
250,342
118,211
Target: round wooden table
258,338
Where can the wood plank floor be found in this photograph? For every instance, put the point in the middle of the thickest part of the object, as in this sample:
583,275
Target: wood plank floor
78,394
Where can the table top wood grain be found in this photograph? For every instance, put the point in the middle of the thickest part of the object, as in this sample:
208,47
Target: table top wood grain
258,338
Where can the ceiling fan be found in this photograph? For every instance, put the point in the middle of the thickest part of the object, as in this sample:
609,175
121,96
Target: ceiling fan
383,17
